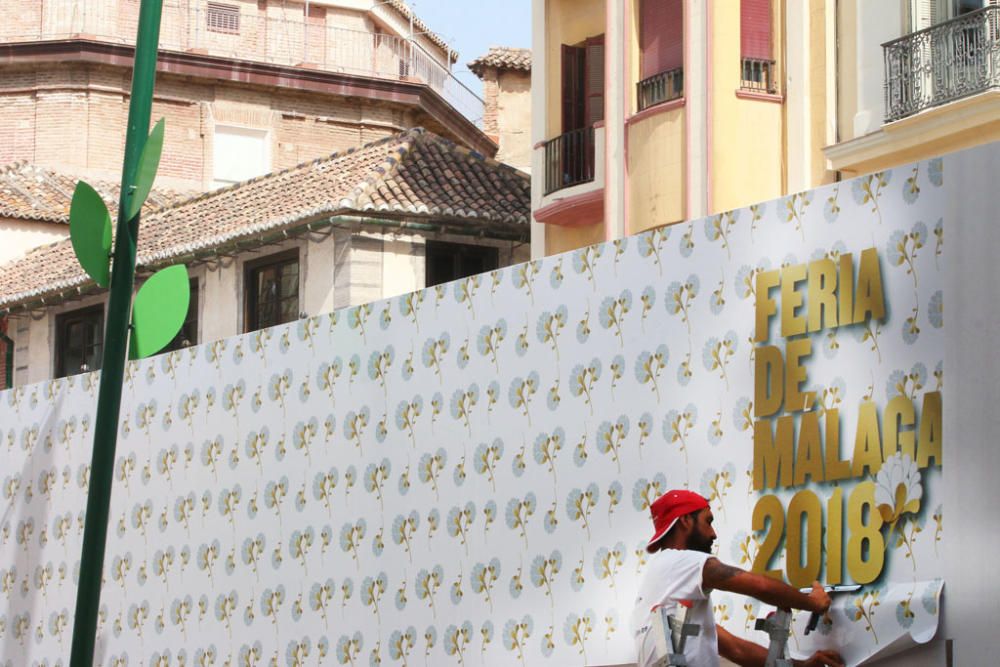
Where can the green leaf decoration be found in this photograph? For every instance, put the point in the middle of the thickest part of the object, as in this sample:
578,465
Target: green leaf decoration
159,311
145,173
90,233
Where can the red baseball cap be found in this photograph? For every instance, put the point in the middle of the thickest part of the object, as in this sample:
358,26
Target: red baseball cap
671,506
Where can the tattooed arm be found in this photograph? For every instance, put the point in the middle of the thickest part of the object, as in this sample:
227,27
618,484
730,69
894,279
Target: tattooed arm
718,575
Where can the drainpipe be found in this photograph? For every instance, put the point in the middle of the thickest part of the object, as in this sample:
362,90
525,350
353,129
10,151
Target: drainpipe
8,345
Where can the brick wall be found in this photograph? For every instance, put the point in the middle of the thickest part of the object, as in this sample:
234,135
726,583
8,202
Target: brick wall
72,117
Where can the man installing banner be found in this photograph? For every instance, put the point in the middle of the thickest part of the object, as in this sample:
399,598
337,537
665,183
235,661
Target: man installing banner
682,573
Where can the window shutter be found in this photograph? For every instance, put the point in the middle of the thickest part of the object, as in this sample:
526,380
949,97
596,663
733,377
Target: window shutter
924,14
594,81
572,87
755,29
661,36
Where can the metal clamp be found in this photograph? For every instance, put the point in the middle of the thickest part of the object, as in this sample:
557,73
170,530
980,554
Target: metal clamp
678,632
777,628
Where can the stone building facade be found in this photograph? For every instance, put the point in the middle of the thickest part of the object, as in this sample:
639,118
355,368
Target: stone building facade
246,87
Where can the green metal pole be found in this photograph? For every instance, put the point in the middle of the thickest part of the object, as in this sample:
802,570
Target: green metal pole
109,397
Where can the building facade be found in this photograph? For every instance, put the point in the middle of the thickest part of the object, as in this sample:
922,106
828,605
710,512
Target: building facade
397,215
650,112
247,87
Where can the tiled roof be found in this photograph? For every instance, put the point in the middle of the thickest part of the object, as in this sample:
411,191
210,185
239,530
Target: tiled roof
28,192
414,175
421,27
502,57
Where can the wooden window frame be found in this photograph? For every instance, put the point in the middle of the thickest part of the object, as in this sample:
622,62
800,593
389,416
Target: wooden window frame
63,322
251,314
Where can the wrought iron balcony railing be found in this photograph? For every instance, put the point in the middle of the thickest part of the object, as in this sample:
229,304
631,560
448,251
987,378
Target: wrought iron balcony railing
232,30
758,76
660,88
569,159
942,63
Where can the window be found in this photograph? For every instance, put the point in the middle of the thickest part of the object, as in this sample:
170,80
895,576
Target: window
79,341
451,261
188,335
272,291
661,52
756,65
582,84
223,18
239,154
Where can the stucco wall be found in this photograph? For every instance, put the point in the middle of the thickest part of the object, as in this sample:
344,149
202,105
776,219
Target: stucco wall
562,239
514,119
20,236
656,170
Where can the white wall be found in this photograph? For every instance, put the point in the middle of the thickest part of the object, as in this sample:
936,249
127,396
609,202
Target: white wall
20,236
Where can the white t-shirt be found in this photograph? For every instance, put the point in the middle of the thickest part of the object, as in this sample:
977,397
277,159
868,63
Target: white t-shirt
673,579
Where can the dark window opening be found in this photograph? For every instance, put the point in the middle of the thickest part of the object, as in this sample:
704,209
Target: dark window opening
272,291
79,341
188,335
450,261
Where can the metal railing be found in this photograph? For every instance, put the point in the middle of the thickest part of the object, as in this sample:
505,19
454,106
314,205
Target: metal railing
282,39
758,75
942,63
569,159
660,88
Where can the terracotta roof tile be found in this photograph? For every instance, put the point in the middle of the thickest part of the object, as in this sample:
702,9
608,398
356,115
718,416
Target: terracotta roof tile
28,192
502,57
414,174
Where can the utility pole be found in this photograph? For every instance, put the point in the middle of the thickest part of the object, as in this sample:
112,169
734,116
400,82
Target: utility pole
116,338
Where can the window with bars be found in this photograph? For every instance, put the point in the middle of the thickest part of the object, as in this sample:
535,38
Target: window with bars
79,341
757,71
220,17
272,291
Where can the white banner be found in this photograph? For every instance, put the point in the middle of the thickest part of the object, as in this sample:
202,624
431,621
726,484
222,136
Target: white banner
462,475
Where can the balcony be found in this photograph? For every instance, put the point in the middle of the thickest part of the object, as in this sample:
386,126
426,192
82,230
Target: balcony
943,63
224,30
569,160
660,88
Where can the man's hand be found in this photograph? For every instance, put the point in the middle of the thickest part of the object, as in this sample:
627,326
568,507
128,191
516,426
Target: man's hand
821,659
820,598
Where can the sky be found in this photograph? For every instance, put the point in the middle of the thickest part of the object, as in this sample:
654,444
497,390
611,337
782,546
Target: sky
473,26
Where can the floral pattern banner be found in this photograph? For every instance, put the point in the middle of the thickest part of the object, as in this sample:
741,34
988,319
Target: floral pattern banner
462,475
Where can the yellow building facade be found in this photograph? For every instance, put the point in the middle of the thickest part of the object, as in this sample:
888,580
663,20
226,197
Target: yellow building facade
650,112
